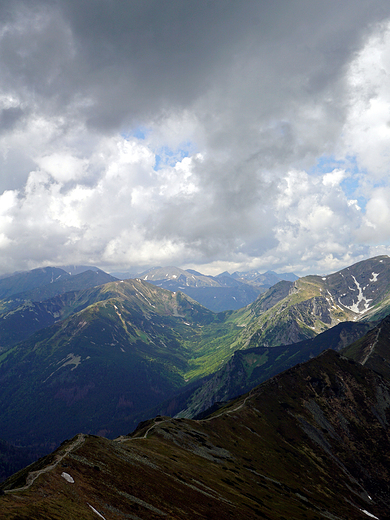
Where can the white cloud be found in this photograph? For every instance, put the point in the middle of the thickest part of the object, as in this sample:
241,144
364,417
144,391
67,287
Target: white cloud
315,222
7,201
63,167
375,226
366,132
333,178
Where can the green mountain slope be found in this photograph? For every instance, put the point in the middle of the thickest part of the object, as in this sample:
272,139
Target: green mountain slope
24,313
125,351
294,311
311,443
248,368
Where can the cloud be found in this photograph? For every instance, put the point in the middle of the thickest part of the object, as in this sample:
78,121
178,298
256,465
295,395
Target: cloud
375,228
188,133
367,126
315,222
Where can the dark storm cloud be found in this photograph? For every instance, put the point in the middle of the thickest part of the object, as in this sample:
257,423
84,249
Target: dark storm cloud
135,59
9,117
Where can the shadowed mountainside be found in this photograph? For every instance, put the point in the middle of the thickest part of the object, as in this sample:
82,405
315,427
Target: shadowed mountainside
248,368
312,442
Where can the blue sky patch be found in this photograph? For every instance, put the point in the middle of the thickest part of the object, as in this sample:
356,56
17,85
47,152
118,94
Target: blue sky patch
351,184
141,132
351,187
166,156
326,164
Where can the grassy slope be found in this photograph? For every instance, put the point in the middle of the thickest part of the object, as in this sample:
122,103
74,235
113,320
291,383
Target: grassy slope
129,348
309,443
250,367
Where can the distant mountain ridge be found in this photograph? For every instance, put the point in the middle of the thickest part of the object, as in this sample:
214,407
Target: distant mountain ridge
294,311
25,283
217,293
266,279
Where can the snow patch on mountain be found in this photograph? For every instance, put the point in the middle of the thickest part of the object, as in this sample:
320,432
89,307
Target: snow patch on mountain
67,477
355,307
369,514
97,512
70,359
144,297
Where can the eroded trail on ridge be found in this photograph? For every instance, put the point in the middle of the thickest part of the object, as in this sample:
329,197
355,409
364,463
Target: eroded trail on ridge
158,423
33,475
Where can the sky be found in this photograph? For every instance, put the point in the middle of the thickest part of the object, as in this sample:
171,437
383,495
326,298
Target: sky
217,135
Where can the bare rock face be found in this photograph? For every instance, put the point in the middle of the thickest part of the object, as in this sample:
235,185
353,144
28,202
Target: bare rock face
362,286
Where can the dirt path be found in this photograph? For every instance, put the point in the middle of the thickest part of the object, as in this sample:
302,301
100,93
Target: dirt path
372,347
229,411
158,423
33,475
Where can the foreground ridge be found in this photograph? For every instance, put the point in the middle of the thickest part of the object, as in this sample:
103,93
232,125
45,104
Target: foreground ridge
312,442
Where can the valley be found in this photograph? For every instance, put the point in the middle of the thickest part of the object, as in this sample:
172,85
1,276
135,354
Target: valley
309,443
105,358
60,355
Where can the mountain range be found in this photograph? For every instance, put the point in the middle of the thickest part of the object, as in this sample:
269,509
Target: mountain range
312,442
217,293
103,357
